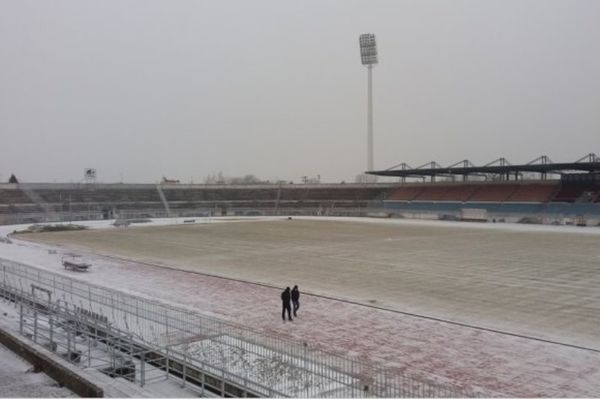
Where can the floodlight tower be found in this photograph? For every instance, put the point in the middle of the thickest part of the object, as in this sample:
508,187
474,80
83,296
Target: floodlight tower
368,57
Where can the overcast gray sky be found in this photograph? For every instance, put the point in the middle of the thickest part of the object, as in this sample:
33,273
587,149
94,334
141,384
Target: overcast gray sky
142,89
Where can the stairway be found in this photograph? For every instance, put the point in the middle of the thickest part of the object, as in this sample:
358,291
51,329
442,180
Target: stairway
51,214
163,199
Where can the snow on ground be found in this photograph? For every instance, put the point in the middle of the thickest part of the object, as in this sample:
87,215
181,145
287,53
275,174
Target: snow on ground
534,284
17,379
497,363
106,224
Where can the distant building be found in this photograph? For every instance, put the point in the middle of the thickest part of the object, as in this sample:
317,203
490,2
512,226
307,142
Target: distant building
168,181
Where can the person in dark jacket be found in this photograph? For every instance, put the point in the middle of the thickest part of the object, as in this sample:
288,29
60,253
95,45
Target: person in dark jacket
285,302
296,299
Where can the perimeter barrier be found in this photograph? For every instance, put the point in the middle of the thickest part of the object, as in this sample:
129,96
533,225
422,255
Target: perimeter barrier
231,359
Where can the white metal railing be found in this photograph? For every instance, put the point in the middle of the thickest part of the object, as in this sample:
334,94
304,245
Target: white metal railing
275,366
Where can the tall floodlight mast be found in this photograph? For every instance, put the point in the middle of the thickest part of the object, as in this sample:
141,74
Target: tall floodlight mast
368,57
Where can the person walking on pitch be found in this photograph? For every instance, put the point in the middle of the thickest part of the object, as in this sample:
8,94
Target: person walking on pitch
296,300
285,304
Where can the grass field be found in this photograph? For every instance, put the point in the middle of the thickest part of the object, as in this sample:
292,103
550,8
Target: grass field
540,284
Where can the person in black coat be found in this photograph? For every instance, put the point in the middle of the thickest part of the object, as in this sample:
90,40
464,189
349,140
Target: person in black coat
296,299
285,302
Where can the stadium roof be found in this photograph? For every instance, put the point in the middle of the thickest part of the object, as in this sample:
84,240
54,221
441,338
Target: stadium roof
543,165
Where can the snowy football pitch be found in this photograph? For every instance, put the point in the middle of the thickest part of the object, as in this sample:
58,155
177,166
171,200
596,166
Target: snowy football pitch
542,283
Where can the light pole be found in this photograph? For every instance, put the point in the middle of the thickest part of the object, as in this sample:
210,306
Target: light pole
368,57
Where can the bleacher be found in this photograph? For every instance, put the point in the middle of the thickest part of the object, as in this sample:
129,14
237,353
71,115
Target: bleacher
523,198
212,194
13,195
478,192
14,201
577,193
331,192
97,196
52,202
406,193
494,192
542,192
459,193
432,193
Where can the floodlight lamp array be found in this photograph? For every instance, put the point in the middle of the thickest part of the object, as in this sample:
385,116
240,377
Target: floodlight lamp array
368,49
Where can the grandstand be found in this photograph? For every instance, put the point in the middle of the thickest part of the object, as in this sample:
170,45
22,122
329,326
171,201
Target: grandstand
499,188
31,203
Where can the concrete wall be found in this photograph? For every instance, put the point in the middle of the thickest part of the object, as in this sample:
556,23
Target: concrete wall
45,361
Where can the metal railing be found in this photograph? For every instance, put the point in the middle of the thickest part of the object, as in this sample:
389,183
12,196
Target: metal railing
318,208
266,364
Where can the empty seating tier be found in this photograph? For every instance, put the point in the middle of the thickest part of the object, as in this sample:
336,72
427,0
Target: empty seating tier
493,192
534,193
52,202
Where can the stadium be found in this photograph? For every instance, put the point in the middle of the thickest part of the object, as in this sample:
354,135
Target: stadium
498,190
453,281
425,279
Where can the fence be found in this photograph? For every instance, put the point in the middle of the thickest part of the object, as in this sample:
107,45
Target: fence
263,364
323,208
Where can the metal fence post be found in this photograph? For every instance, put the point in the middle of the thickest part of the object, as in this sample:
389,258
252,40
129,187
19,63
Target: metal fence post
112,348
305,361
51,323
183,368
68,341
223,383
89,350
167,363
142,370
21,317
35,325
167,324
